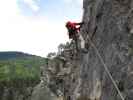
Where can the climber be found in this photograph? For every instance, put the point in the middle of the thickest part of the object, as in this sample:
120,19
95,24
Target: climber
73,29
73,32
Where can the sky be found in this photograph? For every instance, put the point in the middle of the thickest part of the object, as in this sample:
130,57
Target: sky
36,26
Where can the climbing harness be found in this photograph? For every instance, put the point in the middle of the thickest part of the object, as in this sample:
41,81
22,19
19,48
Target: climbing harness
105,67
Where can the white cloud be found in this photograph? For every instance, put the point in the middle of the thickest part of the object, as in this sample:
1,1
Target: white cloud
32,4
8,8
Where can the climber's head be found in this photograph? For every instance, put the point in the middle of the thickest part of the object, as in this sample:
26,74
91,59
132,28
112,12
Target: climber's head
68,24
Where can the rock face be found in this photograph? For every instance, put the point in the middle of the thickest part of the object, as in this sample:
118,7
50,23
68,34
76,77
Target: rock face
109,24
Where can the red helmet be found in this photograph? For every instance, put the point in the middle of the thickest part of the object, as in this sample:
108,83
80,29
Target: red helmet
68,24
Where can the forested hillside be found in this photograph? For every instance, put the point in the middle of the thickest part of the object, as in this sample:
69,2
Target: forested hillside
19,73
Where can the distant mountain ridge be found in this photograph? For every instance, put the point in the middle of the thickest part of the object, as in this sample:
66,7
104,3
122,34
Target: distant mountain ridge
13,54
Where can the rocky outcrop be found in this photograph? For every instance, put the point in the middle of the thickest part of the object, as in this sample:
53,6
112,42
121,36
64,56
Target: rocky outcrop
82,76
41,92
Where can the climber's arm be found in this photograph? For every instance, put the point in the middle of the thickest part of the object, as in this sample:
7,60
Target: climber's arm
81,23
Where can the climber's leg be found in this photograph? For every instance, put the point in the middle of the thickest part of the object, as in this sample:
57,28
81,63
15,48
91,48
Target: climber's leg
82,41
82,44
76,41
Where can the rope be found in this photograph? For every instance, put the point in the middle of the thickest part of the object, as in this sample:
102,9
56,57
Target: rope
106,68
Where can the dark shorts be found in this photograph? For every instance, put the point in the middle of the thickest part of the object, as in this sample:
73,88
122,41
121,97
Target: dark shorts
72,34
